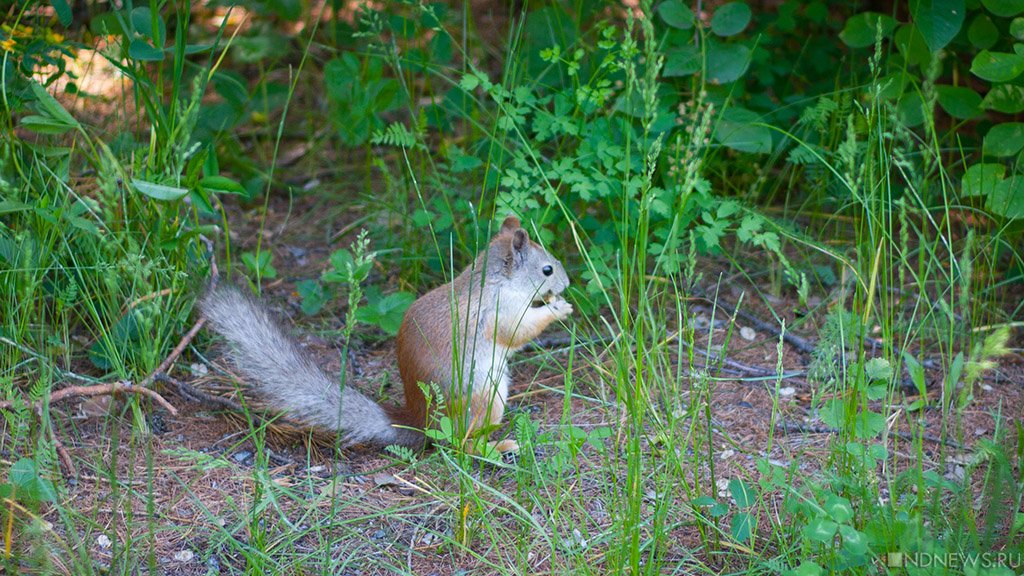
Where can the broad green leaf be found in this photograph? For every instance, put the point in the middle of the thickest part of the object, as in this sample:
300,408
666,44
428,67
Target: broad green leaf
982,32
1008,199
854,541
981,180
1017,28
44,125
742,493
1004,139
63,11
8,206
159,191
860,29
260,263
726,62
838,508
48,106
938,20
997,66
1005,98
959,101
682,61
142,22
744,137
911,44
821,530
222,185
141,50
730,19
676,14
878,369
1004,8
312,294
740,526
916,371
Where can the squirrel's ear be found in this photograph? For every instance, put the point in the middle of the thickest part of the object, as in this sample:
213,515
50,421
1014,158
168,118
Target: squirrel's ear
510,224
519,240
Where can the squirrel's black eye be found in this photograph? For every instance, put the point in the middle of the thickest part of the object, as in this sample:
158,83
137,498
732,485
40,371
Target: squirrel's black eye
548,270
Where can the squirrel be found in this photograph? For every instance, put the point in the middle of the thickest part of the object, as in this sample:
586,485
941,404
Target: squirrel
458,336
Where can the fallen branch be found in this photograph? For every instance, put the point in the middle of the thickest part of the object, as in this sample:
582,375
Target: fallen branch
102,390
191,394
798,428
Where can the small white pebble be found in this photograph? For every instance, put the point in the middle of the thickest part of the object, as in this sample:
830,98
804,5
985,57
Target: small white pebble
184,555
726,454
103,541
748,333
723,487
787,391
986,387
199,369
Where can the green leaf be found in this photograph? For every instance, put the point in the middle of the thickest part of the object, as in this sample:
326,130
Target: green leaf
860,29
730,19
1017,28
1008,199
142,22
259,264
28,483
63,11
222,185
959,101
742,493
44,125
878,369
9,206
469,82
1005,98
1004,139
997,66
387,312
142,51
982,179
737,130
1004,8
48,106
911,44
726,62
854,541
312,294
676,14
982,32
740,526
821,530
938,20
838,508
682,61
159,191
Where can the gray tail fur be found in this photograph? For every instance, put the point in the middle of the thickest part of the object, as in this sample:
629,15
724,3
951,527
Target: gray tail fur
290,378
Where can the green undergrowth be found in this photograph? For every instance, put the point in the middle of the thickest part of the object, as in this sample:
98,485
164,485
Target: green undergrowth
830,169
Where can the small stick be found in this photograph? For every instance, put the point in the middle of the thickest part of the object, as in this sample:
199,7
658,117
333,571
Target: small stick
185,340
791,427
105,390
193,395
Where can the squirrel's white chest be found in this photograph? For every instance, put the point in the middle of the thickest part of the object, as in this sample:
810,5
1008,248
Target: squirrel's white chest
488,370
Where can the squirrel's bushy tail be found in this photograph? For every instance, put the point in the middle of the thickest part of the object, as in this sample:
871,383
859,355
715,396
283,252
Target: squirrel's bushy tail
290,379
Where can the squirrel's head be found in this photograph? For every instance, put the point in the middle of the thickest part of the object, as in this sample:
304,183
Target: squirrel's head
526,266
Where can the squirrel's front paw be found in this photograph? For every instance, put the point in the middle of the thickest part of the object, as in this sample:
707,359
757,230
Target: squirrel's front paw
561,308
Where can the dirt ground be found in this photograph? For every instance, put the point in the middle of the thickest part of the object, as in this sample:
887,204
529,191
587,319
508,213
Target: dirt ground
200,473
